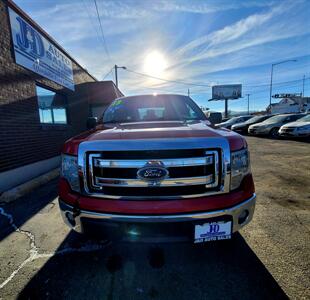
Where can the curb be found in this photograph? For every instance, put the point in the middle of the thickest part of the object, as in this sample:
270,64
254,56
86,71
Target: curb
25,188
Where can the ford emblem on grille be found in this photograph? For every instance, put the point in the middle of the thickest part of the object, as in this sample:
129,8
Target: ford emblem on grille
153,171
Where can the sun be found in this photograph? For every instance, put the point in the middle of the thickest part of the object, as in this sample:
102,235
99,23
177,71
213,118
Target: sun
155,63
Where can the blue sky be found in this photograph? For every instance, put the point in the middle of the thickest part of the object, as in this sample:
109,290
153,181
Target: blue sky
201,42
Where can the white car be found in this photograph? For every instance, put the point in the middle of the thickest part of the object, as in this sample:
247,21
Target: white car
300,128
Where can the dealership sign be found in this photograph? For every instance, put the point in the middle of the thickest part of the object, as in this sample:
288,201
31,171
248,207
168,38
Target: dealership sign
287,95
34,52
230,91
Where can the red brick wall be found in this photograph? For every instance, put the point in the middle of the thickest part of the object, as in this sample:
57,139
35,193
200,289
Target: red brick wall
23,140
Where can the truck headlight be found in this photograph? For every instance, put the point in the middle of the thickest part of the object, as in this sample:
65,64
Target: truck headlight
240,166
69,170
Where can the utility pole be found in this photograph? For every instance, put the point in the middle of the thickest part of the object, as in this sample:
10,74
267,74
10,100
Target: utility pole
226,108
270,94
188,92
116,78
271,75
303,86
248,103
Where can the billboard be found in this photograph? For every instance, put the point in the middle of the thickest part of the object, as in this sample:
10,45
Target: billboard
34,52
230,91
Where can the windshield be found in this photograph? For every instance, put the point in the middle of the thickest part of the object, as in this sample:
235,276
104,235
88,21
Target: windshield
304,119
254,120
153,108
275,119
231,121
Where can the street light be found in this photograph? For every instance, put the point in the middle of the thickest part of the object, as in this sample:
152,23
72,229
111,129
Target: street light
281,62
115,68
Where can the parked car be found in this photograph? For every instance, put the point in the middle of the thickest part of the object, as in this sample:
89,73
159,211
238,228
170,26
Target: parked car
243,127
272,125
156,170
300,128
232,121
214,117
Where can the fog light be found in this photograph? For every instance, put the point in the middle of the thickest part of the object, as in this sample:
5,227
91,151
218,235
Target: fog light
70,219
243,216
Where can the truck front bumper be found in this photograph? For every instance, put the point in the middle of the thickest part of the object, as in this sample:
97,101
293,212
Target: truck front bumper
153,227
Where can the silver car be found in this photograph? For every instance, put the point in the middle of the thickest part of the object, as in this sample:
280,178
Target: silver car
300,128
272,125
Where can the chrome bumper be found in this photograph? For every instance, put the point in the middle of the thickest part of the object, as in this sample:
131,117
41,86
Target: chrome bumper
74,217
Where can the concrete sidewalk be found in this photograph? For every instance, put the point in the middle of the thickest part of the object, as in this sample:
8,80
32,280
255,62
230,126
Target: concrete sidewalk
25,188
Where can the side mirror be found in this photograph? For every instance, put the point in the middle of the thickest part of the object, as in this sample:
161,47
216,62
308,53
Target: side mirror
91,122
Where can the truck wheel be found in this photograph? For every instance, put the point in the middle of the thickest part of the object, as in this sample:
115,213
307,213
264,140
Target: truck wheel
274,133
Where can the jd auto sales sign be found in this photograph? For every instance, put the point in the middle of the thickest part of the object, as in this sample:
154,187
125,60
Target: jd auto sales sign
34,52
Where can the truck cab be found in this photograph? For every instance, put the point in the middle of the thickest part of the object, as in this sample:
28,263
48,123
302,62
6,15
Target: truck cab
155,169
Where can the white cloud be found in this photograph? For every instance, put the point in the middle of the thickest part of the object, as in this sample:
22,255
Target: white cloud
132,28
218,50
205,7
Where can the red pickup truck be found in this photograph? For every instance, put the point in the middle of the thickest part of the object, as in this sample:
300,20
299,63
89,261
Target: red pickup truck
155,169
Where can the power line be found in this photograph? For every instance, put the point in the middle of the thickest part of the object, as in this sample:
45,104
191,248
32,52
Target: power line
195,92
160,89
97,32
91,20
102,34
205,85
167,80
104,77
178,91
303,66
284,87
278,83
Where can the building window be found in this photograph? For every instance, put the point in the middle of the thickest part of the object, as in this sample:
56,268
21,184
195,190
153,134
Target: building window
52,106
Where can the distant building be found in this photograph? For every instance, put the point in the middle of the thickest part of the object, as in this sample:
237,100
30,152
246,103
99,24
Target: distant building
290,103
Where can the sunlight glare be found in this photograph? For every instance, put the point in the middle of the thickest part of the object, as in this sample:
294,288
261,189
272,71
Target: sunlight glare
155,63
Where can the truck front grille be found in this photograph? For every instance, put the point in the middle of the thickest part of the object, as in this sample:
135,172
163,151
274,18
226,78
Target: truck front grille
192,168
192,172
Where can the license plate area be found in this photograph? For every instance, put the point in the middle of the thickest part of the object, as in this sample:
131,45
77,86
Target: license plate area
213,230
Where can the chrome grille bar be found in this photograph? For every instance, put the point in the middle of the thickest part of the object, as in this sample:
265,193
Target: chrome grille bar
139,163
215,147
119,182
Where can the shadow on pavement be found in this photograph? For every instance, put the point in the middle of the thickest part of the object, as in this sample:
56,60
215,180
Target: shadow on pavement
27,206
222,270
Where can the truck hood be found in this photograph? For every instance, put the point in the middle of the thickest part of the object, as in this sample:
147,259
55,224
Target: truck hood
153,130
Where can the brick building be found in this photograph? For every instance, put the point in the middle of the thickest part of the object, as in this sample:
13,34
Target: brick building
46,97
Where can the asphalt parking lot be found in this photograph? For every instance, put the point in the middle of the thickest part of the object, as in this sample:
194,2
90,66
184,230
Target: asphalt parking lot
270,258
